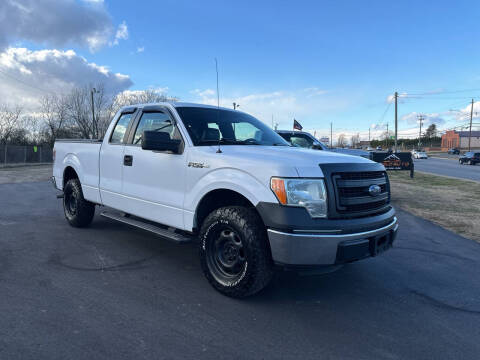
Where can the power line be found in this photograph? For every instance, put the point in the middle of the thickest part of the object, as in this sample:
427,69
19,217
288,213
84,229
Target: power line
431,93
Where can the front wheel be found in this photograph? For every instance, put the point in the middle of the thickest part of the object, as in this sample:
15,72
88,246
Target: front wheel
234,251
78,211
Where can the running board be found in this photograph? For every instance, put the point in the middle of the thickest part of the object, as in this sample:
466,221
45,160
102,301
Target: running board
167,234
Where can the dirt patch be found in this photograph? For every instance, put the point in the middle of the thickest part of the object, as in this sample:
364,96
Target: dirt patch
451,203
25,174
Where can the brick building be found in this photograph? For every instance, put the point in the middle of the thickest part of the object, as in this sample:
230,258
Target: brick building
459,139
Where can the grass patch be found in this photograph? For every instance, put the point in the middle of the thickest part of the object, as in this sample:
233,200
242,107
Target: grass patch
451,203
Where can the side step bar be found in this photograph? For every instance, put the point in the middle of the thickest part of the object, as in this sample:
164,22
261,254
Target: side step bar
167,234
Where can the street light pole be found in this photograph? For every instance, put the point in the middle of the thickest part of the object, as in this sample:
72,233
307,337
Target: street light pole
396,120
93,111
470,133
331,135
420,118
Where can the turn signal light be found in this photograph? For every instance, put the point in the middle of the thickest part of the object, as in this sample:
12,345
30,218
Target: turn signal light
278,188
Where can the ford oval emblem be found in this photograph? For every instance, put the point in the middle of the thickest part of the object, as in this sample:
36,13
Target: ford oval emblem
374,190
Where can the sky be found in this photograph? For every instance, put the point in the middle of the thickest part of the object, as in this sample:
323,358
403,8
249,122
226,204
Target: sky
319,62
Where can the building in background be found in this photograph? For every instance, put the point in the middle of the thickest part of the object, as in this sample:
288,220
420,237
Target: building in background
459,139
325,140
364,144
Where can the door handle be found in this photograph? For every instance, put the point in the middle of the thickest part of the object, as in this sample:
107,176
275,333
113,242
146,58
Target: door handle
128,160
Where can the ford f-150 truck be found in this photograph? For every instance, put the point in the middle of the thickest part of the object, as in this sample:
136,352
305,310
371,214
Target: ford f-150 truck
219,176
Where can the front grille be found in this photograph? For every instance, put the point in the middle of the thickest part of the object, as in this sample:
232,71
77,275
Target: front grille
352,192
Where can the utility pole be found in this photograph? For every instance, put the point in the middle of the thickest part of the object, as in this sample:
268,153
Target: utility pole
331,135
386,138
396,120
420,119
368,136
470,134
93,91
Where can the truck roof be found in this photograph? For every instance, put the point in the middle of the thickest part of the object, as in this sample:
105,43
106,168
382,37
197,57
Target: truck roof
177,105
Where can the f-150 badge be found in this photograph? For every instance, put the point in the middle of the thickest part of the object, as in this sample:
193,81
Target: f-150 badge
198,165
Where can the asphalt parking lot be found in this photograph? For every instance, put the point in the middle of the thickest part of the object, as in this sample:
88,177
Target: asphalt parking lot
111,291
448,167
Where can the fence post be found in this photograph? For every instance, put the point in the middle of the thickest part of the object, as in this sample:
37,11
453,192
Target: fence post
5,162
40,149
24,154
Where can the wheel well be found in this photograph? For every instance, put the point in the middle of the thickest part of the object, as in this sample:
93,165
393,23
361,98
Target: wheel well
216,199
68,174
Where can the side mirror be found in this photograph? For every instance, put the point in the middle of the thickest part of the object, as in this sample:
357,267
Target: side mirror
317,147
160,141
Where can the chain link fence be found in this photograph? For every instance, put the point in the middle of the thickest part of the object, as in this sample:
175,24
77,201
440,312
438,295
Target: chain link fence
25,154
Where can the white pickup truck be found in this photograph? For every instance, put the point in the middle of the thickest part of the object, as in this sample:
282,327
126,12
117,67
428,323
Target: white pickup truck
189,171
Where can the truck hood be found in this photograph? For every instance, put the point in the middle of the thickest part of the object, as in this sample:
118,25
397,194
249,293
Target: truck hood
305,162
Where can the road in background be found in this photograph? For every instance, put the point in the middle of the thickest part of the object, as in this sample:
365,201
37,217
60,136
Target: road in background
27,173
111,291
448,167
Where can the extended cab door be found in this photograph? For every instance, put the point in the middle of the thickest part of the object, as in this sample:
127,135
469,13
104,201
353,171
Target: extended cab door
112,159
153,181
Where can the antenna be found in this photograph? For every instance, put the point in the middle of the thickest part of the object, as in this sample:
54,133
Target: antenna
219,151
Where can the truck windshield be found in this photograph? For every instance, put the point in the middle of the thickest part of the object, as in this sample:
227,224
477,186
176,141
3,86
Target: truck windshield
209,126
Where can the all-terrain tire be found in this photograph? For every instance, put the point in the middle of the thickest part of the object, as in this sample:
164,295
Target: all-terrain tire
78,211
241,229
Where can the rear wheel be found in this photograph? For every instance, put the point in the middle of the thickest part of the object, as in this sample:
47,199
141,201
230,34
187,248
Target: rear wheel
234,251
78,211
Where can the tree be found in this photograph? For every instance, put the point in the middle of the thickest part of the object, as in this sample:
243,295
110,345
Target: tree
355,140
341,142
53,109
431,131
129,97
9,122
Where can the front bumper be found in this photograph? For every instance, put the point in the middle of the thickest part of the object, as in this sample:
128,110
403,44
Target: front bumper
327,249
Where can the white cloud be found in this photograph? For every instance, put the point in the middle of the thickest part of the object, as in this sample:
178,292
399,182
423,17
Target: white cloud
464,113
27,75
282,105
121,34
55,22
314,91
428,119
391,98
140,49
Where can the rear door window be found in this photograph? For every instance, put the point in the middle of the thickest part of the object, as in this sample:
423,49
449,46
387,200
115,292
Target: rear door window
120,129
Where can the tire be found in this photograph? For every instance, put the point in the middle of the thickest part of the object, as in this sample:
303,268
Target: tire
470,162
234,251
78,211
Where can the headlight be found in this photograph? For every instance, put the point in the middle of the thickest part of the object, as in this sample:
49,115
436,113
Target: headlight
308,193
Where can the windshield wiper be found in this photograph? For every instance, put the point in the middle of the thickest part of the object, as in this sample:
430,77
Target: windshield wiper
221,141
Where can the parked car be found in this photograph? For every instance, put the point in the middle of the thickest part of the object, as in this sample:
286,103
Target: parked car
453,151
189,171
379,148
419,154
306,140
470,158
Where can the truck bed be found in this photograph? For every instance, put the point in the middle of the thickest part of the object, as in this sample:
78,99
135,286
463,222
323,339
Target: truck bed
83,156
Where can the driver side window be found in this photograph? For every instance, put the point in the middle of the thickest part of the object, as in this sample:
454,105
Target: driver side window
155,121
